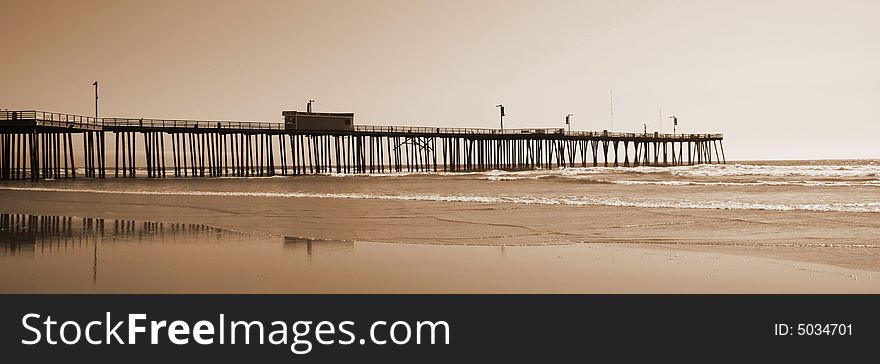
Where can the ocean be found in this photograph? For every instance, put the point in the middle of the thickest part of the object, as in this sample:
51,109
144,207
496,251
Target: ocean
824,185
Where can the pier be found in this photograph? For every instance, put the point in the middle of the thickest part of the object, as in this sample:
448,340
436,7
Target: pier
38,145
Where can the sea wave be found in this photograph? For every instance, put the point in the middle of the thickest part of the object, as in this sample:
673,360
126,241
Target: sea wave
873,183
684,182
712,170
826,171
869,207
760,175
866,171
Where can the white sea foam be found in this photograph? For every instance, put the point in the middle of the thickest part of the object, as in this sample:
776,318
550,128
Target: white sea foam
874,183
701,170
628,182
698,175
872,207
712,170
708,175
828,171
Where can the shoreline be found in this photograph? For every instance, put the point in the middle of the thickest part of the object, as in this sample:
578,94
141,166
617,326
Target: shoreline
462,223
552,249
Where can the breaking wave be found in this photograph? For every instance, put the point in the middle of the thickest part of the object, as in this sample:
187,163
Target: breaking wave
869,207
698,175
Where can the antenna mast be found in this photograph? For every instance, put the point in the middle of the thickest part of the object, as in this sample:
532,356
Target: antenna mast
612,109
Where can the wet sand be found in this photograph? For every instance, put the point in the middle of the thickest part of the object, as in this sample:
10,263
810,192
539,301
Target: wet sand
422,246
249,266
846,239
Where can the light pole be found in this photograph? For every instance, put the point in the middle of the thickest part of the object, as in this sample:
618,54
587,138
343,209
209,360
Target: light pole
674,124
568,121
96,99
611,96
309,106
501,109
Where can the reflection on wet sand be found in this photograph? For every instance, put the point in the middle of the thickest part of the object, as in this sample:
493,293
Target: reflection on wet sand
36,234
46,254
317,246
32,234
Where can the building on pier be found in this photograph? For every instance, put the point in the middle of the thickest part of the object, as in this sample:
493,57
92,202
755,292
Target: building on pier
318,121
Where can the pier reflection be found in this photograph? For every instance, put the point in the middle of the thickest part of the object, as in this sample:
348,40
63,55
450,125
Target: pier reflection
40,253
33,234
310,247
22,234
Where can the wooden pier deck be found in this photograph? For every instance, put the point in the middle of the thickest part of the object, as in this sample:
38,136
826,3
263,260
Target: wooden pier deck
37,145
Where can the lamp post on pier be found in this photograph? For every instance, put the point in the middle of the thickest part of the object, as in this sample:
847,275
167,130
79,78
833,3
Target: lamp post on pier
501,109
96,99
568,121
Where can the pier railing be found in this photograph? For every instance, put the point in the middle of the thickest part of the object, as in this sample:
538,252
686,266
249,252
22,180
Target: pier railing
529,131
440,130
191,124
48,118
642,135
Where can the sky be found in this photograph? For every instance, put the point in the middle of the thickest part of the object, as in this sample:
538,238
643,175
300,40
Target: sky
780,79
